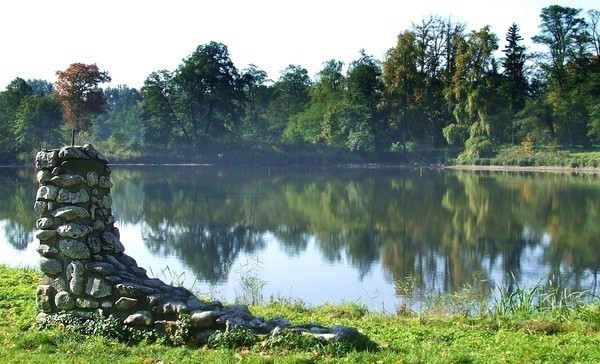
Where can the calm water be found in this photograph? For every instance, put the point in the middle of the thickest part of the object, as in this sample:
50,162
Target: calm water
382,237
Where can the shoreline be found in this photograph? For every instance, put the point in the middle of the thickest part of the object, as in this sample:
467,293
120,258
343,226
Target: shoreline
544,169
369,165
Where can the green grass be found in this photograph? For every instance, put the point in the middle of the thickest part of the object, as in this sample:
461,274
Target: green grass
523,331
541,157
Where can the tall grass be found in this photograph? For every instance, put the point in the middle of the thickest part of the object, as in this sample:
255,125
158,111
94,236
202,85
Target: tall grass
541,298
480,299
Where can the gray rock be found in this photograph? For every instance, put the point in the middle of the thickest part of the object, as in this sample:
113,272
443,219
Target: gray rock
107,201
127,260
346,333
140,318
94,244
74,249
92,179
45,235
44,297
46,193
64,301
114,279
93,153
44,223
47,250
71,213
202,318
68,180
126,303
75,231
109,240
43,176
114,261
86,303
76,270
71,152
98,288
50,266
60,284
119,247
138,272
40,207
66,196
101,268
134,290
98,225
46,159
104,182
195,304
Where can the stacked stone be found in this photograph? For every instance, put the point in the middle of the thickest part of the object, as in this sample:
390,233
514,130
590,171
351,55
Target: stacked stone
85,268
87,273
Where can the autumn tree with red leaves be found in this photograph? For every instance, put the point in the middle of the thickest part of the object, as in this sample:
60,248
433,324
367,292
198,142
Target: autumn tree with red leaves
78,91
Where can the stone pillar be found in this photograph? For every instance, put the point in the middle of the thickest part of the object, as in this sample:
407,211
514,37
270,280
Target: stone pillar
86,272
85,268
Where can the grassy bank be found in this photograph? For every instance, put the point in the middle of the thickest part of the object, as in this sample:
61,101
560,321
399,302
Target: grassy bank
560,333
519,156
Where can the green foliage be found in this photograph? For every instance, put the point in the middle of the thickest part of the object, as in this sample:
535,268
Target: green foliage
514,300
37,124
440,86
233,339
571,336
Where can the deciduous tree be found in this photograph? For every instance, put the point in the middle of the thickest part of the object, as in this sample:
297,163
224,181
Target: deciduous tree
37,123
208,93
78,91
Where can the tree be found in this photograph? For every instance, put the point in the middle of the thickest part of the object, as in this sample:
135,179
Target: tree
78,91
159,123
569,68
208,94
120,123
37,123
594,26
563,32
364,89
10,99
326,95
41,87
514,68
290,94
257,95
402,86
473,94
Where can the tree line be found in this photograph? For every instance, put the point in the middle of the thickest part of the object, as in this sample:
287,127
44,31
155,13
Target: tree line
440,86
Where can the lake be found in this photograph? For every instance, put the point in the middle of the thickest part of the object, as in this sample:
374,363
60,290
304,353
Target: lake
388,238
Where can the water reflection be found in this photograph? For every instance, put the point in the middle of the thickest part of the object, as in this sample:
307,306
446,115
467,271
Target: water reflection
351,228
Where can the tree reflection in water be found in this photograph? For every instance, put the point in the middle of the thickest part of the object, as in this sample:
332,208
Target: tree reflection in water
442,229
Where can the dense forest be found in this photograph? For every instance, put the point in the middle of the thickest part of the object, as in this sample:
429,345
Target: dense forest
440,90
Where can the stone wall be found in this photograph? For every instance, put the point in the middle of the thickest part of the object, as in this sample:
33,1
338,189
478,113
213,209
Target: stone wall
86,272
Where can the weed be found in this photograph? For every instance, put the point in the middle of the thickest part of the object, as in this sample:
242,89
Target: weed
549,298
250,283
173,278
233,339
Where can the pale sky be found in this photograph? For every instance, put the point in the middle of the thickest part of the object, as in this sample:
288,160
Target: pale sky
130,39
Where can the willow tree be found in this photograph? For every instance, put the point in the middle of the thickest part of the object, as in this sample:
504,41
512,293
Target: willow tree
472,94
78,91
